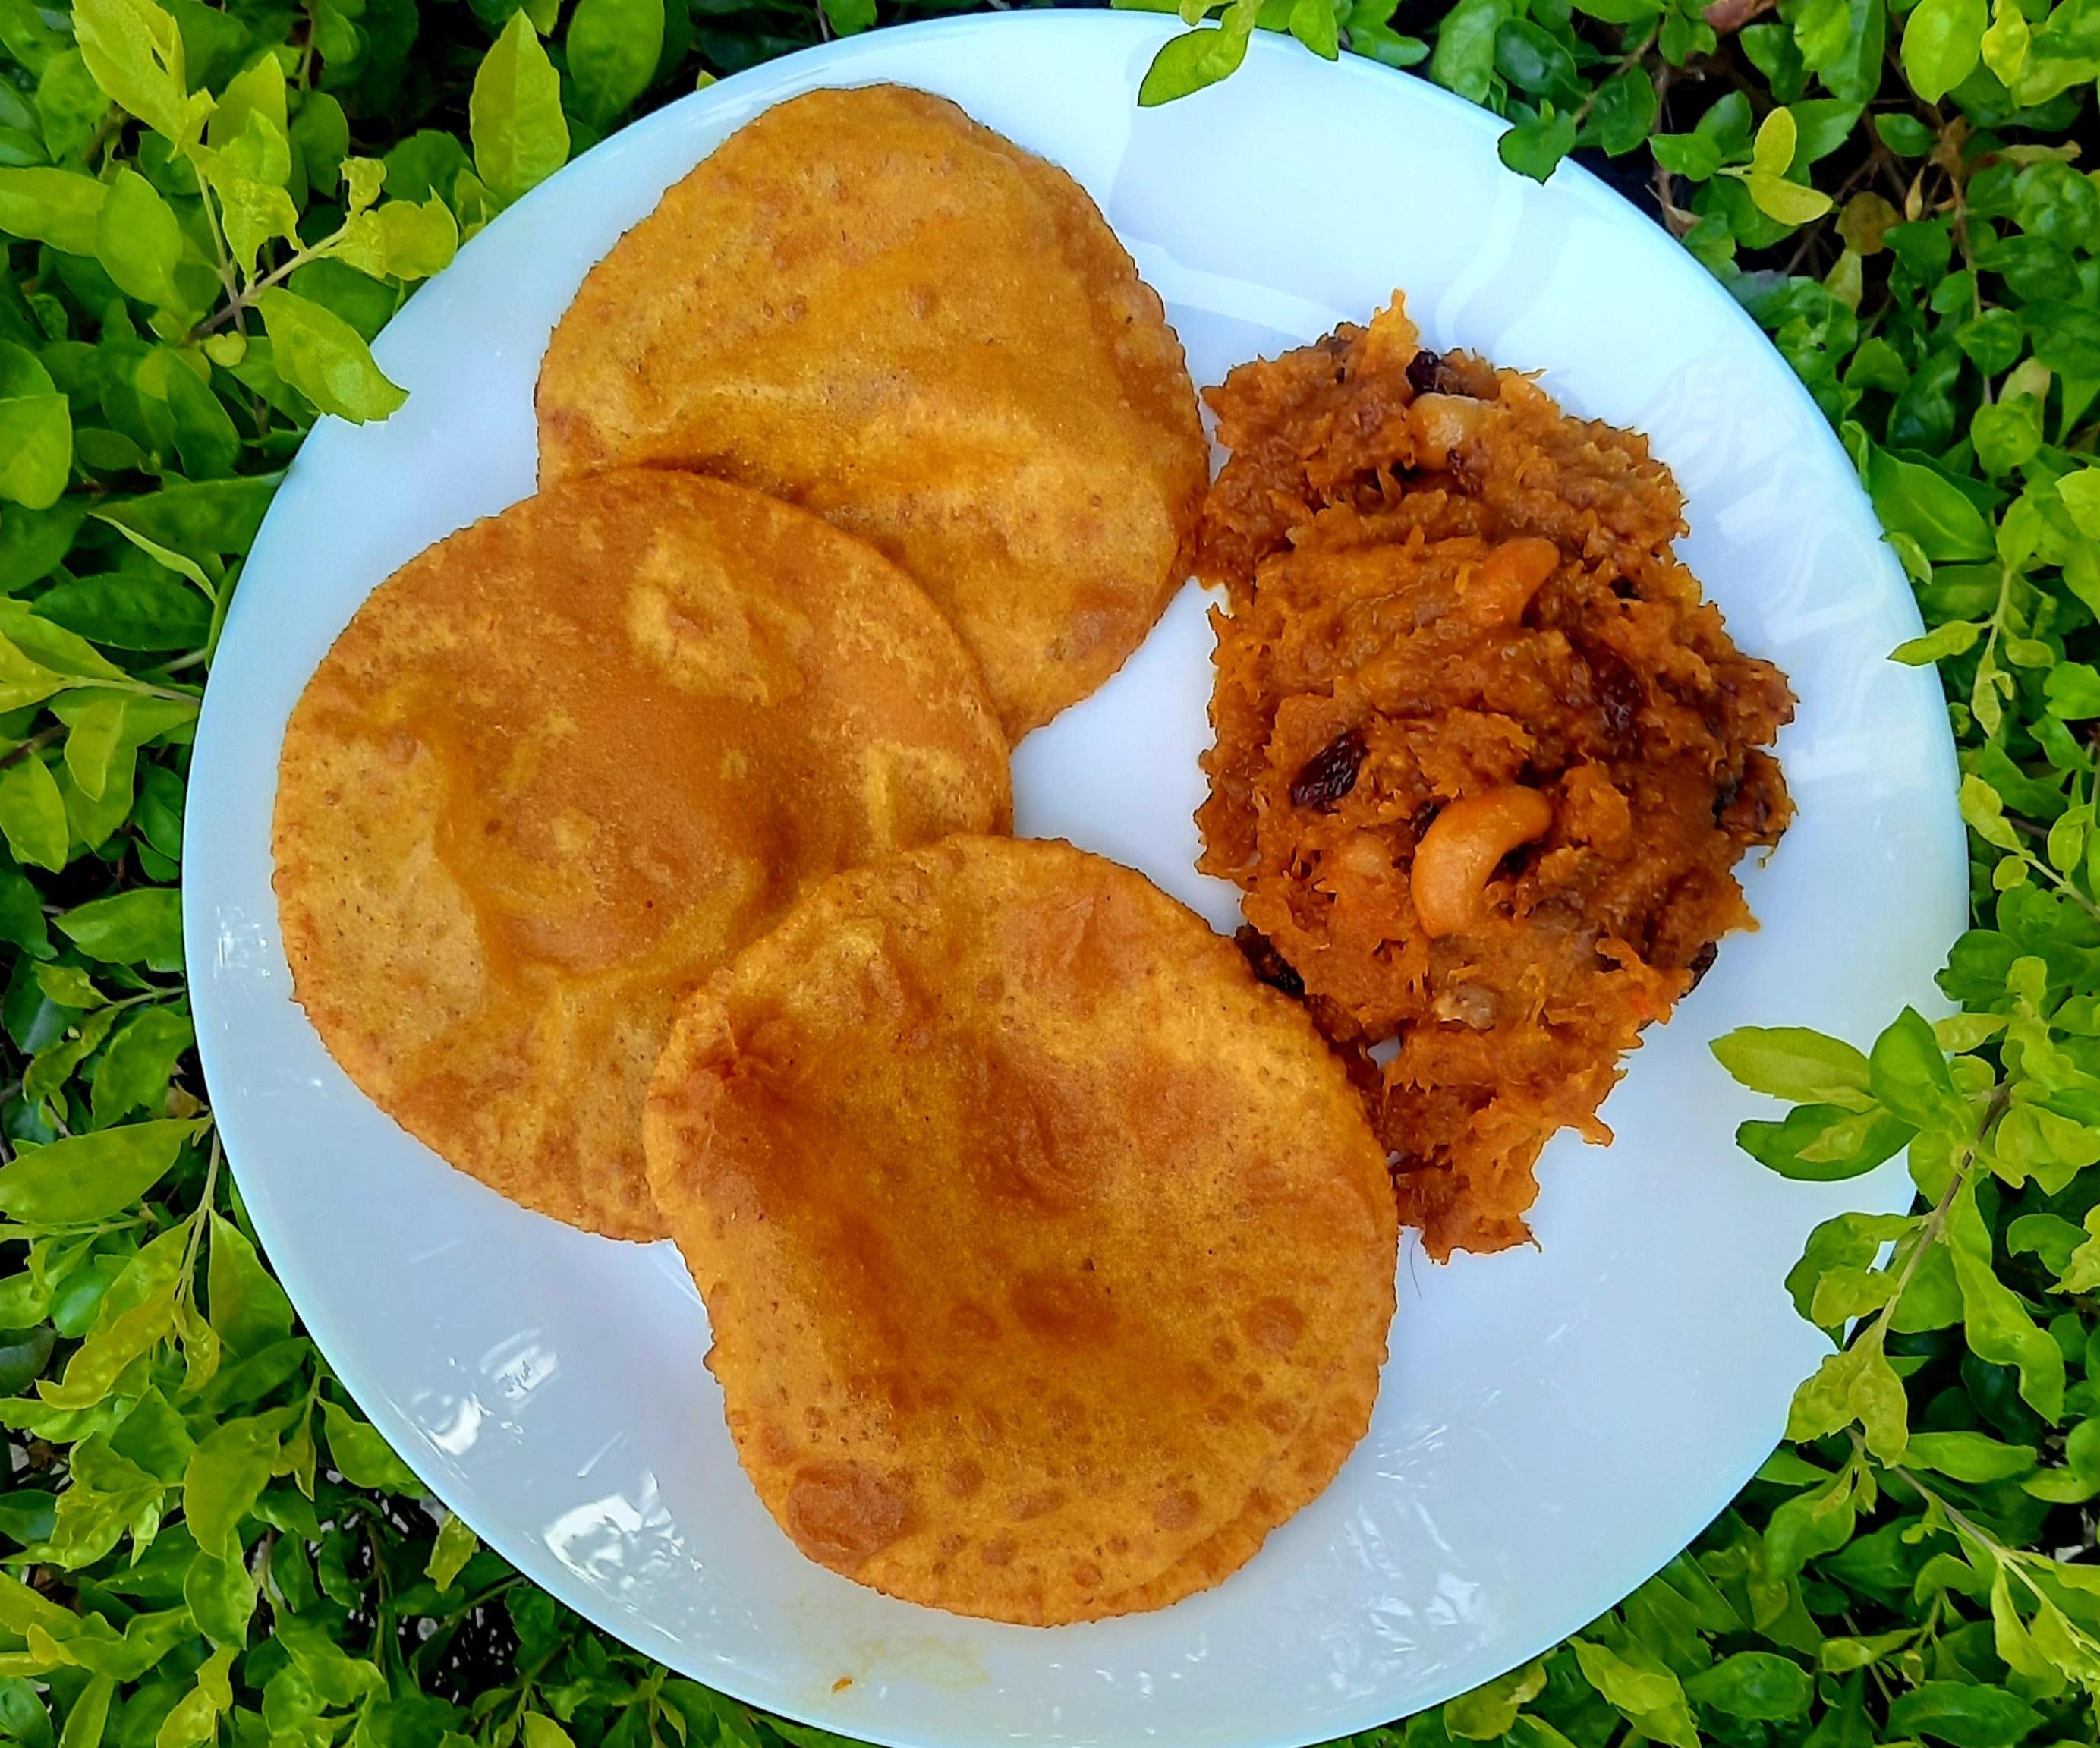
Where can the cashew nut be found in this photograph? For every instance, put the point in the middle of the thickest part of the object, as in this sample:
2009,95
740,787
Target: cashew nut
1502,586
1459,851
1441,423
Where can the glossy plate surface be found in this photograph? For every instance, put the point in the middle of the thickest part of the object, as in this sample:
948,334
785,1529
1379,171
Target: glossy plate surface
1554,1424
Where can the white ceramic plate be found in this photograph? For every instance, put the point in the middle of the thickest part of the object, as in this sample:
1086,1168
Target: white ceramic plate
1554,1424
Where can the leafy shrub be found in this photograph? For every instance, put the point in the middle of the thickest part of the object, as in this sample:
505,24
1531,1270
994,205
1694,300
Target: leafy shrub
207,213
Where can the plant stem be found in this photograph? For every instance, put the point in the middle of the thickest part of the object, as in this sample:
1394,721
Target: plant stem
35,743
242,300
1631,58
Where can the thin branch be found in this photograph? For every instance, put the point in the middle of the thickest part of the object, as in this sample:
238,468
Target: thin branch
242,300
35,743
1728,17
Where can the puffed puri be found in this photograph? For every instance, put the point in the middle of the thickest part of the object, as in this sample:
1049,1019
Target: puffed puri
864,303
1049,1257
561,766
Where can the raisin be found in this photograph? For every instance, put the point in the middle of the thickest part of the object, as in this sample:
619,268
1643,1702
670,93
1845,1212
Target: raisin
1330,774
1269,965
1425,373
1702,962
1620,693
1754,808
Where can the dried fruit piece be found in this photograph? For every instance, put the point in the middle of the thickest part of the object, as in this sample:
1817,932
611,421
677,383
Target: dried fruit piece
1330,774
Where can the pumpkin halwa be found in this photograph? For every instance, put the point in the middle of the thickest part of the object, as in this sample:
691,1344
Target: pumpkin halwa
1485,759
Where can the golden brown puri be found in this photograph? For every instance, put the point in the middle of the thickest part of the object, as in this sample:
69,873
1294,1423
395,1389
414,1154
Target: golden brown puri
868,304
1049,1257
564,764
1485,761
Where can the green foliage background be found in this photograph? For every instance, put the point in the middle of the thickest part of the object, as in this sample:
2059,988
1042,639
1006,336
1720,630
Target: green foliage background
207,211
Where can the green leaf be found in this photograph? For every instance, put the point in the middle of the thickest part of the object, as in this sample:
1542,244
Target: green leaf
85,1721
401,239
137,240
1973,1457
1942,643
196,520
253,206
96,1365
227,1474
221,1595
36,431
1809,1525
1535,148
362,180
21,911
1464,57
1791,203
1998,1327
1312,23
455,1545
1963,1714
1778,135
540,1731
362,1457
125,611
1695,156
1201,57
153,1436
1824,1143
96,734
32,815
1757,1684
1651,1699
69,105
520,137
135,1070
60,207
2079,492
36,449
1857,1384
258,88
1488,1711
57,649
81,1178
2081,1270
1909,1075
325,359
1942,42
1914,499
1623,111
2079,1479
248,1308
195,1719
134,50
144,926
1845,1242
1794,1063
54,1065
614,45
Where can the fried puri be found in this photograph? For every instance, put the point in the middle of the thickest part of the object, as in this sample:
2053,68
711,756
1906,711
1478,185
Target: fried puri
1049,1257
868,304
563,765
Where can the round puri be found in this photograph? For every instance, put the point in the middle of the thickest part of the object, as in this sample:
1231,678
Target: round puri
1049,1257
561,767
867,303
